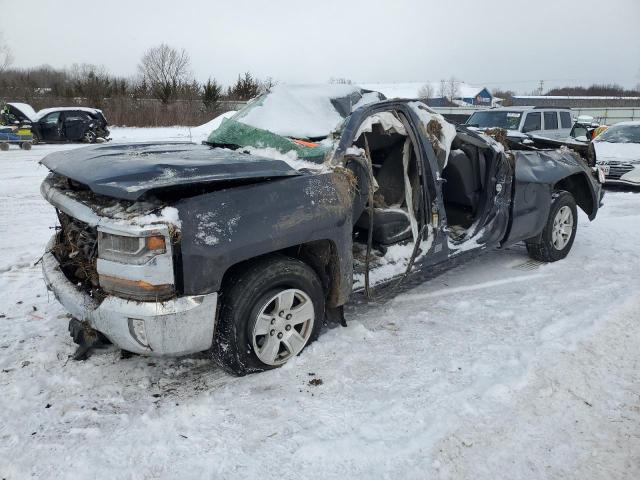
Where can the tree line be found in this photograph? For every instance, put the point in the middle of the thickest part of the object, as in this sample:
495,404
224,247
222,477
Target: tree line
164,92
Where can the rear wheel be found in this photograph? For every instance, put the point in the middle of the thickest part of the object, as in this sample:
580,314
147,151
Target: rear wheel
89,137
558,235
4,147
25,145
269,311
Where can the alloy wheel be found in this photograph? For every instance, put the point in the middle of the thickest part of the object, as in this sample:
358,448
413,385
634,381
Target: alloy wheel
562,228
283,326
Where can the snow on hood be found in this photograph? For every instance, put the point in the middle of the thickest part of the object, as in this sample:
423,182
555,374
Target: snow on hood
26,109
303,111
45,111
606,151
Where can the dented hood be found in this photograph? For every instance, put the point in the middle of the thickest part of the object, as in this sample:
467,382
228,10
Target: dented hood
130,171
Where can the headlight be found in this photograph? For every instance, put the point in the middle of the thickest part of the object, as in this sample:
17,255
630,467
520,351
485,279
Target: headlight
136,267
130,250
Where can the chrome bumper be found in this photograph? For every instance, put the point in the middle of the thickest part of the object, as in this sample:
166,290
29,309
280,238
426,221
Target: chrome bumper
175,327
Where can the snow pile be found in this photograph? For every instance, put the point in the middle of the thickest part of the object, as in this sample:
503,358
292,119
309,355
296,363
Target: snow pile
291,157
199,134
298,111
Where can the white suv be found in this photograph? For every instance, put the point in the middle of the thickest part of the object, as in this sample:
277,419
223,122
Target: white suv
546,122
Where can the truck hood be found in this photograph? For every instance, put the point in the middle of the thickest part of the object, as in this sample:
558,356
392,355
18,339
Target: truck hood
130,171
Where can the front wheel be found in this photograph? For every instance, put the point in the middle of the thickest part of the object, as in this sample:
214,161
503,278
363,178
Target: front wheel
269,311
558,235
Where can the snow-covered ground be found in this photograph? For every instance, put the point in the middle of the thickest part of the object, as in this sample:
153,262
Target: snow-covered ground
500,369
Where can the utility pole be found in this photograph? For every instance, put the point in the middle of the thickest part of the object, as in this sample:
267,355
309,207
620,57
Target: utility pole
541,87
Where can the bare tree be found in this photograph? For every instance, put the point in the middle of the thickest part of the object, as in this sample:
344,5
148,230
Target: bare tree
268,84
505,95
442,90
452,89
426,92
165,69
6,57
91,82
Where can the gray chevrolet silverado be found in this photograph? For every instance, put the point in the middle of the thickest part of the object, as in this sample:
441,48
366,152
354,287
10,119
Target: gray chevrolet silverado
246,245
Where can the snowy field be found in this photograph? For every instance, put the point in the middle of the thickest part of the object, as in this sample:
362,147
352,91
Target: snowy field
501,369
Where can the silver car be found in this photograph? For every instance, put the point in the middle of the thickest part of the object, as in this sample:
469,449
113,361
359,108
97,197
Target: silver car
617,152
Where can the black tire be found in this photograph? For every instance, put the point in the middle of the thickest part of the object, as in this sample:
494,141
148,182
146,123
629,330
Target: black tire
244,293
542,248
89,137
4,147
25,145
35,138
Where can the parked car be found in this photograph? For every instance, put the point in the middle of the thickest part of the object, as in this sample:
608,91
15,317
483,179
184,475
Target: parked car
617,152
63,124
521,122
245,246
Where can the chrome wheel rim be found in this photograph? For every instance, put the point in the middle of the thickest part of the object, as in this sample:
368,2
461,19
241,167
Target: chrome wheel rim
283,326
562,228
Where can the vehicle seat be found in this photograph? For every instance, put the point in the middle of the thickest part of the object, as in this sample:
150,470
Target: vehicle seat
463,179
390,177
390,225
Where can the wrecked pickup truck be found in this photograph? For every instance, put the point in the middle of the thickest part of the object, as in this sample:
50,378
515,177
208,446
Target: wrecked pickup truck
246,245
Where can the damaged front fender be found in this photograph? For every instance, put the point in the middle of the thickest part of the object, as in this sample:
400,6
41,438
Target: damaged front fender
223,228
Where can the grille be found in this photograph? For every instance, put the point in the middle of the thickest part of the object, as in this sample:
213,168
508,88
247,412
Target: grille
76,249
617,170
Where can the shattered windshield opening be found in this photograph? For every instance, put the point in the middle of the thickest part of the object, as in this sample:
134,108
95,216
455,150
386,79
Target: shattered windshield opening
620,134
291,118
495,119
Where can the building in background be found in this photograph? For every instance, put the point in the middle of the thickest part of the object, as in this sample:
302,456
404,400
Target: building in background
438,94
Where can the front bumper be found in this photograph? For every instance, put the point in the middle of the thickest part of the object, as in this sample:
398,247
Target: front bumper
629,175
174,327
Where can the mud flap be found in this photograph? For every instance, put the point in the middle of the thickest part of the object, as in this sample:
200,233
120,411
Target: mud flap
335,316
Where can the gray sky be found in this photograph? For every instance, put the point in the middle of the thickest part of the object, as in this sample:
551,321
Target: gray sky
506,43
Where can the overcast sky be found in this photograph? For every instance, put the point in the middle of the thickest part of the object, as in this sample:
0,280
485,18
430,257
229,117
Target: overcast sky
495,43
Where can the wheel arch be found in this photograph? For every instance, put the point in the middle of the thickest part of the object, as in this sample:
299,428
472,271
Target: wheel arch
578,186
321,255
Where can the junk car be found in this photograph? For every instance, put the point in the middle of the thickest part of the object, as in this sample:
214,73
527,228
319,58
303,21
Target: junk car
245,246
63,124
